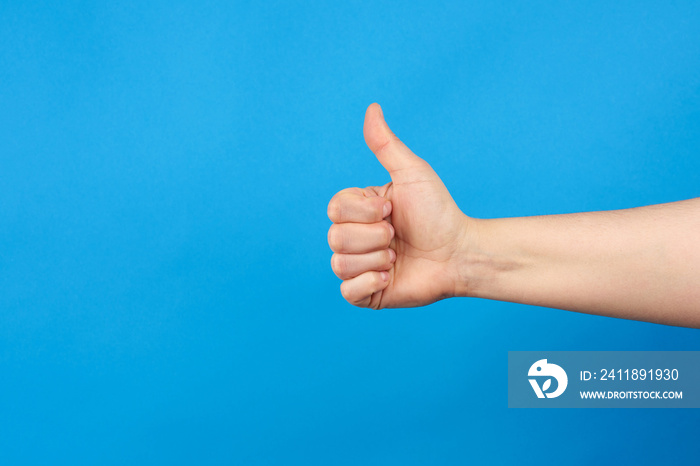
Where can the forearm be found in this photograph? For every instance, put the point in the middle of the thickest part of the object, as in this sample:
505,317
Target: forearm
641,263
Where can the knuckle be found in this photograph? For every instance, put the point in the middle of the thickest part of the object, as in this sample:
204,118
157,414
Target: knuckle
387,144
350,294
346,292
334,209
339,265
335,239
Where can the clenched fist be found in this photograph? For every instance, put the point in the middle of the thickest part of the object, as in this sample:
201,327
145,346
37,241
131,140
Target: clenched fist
396,245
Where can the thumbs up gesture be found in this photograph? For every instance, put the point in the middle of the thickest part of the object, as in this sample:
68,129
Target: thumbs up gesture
407,244
397,245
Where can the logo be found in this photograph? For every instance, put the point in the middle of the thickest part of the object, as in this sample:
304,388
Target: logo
544,369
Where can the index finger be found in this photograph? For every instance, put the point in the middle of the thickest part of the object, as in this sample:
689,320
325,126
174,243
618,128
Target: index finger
354,205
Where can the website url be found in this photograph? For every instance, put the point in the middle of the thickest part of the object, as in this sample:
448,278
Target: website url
631,395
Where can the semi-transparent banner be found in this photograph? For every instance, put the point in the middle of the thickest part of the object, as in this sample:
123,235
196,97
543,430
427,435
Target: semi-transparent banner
604,379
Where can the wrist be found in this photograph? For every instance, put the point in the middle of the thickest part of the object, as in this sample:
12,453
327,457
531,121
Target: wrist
467,258
482,260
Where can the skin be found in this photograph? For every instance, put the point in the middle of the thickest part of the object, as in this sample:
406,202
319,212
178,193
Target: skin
408,244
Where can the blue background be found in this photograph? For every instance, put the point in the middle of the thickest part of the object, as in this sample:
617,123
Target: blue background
165,288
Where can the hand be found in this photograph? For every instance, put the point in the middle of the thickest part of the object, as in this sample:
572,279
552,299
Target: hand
396,245
407,244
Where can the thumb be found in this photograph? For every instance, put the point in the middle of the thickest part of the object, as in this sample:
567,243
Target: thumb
390,151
